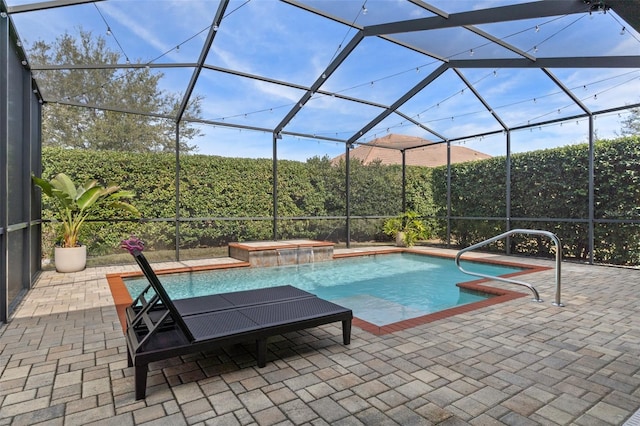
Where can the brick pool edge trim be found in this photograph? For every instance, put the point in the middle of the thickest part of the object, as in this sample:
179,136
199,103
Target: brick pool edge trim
122,298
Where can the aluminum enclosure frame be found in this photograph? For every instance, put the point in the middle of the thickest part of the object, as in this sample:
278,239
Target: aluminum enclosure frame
468,20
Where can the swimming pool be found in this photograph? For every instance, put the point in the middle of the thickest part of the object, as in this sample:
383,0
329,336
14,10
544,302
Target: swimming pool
380,289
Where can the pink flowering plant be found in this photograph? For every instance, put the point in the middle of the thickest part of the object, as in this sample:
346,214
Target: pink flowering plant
133,244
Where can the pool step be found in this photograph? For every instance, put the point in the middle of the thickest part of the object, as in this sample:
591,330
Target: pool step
378,311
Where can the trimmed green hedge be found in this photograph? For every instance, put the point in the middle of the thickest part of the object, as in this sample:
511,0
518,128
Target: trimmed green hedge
550,184
234,196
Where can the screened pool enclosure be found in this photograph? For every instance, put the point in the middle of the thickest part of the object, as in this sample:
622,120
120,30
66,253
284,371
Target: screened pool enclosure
250,105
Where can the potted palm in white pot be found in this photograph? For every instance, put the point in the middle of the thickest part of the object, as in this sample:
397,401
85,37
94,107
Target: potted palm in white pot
407,228
76,204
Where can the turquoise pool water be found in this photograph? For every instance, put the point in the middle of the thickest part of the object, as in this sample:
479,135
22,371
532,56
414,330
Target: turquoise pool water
380,289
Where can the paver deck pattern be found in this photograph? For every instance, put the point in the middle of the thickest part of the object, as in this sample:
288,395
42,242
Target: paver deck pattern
63,362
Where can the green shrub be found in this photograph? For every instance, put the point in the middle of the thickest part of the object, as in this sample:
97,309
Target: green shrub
233,197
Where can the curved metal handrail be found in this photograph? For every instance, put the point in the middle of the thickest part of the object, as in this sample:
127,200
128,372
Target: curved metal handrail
552,236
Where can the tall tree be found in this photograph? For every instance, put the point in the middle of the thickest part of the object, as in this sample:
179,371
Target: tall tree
631,123
134,90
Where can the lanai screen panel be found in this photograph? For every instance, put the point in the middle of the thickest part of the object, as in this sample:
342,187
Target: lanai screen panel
378,71
600,89
264,70
143,31
520,97
492,144
233,100
275,40
304,148
282,42
331,116
448,107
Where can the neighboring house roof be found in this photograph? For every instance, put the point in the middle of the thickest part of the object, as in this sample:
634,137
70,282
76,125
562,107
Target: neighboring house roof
429,156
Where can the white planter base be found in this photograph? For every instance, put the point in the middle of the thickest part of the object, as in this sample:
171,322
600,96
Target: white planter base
70,259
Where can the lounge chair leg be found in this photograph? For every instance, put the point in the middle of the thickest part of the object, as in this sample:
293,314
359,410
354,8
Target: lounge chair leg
261,350
346,331
141,381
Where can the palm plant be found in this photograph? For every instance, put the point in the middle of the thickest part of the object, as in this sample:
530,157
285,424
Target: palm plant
409,226
76,204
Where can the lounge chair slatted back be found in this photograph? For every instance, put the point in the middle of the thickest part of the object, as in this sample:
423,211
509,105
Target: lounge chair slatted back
142,307
173,312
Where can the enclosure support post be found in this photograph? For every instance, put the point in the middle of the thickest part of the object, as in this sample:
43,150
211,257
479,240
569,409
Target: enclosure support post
27,146
508,191
404,180
348,192
275,187
5,51
177,222
583,107
448,193
591,189
35,206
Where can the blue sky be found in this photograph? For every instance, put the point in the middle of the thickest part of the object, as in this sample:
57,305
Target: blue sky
279,41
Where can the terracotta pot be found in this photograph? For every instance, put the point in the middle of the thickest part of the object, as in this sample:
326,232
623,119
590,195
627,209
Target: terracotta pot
70,259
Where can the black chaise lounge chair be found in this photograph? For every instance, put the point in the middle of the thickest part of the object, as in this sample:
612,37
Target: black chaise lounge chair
159,328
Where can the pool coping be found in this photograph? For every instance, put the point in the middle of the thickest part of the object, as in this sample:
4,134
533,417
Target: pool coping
122,298
500,295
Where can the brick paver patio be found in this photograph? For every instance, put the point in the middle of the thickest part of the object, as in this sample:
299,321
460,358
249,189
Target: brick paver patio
63,362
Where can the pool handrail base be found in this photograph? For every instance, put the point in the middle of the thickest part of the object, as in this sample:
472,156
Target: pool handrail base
536,295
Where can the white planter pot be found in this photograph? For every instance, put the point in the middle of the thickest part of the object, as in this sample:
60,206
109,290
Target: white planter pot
400,239
70,259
